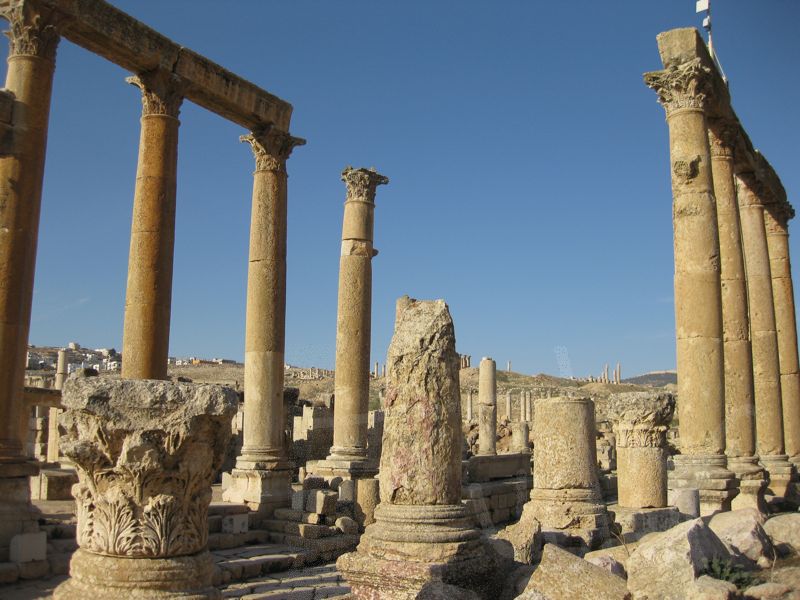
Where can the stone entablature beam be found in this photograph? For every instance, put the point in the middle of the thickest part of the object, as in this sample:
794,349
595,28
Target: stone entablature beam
113,34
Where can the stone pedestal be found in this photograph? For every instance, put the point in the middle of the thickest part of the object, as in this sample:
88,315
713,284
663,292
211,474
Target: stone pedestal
641,420
147,453
423,538
148,299
487,402
353,325
566,496
263,472
685,89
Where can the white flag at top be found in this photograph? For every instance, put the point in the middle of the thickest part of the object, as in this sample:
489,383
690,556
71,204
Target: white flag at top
701,5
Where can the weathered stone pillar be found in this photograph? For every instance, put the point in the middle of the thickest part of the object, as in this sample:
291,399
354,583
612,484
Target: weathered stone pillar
508,405
423,539
29,80
523,413
682,90
566,496
738,358
487,403
348,456
147,453
776,219
53,454
263,472
148,299
764,337
641,420
469,405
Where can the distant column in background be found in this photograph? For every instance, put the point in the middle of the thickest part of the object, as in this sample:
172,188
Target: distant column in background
487,403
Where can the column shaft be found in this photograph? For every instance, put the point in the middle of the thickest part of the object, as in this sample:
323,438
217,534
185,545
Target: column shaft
148,299
783,298
351,380
487,401
31,63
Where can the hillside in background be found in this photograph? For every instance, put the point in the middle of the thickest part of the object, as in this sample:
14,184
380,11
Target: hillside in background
654,379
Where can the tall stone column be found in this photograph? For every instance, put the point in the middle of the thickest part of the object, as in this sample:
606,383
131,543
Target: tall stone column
469,406
776,219
738,358
764,337
683,90
487,403
348,455
148,299
422,535
508,405
263,471
53,454
33,40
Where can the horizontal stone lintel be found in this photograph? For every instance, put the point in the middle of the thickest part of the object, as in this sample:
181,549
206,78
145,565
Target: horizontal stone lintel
113,34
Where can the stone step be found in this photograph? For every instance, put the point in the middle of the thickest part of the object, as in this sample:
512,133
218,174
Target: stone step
309,583
247,562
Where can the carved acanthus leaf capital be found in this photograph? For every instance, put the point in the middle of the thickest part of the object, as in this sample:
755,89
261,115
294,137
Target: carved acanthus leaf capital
31,33
687,85
722,135
362,183
271,148
162,92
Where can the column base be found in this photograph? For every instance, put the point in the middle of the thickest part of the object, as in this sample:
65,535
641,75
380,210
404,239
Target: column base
262,490
781,476
571,518
752,483
346,468
717,486
413,550
17,514
112,577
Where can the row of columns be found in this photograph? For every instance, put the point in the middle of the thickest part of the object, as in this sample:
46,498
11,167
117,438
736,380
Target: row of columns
525,403
733,358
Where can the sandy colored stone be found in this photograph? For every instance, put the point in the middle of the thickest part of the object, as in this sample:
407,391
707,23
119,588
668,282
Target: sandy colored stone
664,565
784,531
743,534
641,420
487,407
561,574
146,453
524,536
771,591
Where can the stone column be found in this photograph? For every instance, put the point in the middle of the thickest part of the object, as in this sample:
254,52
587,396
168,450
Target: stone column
147,453
523,413
764,337
738,358
422,535
683,91
529,406
52,424
348,455
641,420
508,405
776,219
29,80
566,496
148,299
263,472
487,402
469,405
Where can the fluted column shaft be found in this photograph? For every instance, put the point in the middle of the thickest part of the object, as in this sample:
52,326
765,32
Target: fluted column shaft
148,299
264,411
777,226
33,40
353,323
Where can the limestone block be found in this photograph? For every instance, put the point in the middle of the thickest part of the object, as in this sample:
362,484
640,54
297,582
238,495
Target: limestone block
367,500
26,547
708,588
347,526
525,537
663,565
771,591
322,502
561,574
347,491
9,572
686,500
784,531
236,523
299,500
743,535
34,569
608,563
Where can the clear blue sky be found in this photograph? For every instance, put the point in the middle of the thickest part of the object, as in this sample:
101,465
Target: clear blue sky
528,165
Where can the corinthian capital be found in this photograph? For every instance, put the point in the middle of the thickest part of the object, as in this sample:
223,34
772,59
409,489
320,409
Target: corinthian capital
271,148
687,85
722,134
362,183
162,92
30,32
